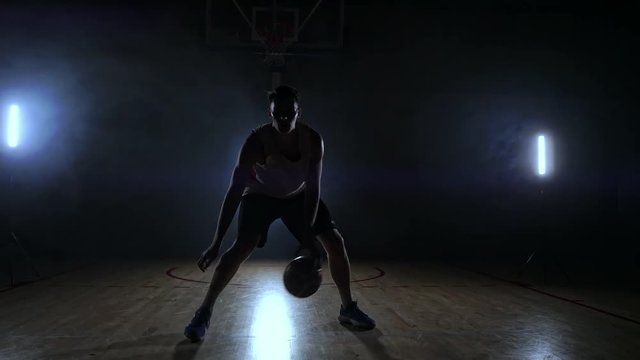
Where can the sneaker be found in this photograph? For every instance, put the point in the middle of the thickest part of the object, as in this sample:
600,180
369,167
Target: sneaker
198,326
352,315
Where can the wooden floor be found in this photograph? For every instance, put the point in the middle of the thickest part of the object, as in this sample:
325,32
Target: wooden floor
138,310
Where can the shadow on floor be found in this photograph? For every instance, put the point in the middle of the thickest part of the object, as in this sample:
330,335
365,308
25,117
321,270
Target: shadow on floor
371,339
148,347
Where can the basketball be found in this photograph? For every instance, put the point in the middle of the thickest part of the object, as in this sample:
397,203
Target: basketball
301,277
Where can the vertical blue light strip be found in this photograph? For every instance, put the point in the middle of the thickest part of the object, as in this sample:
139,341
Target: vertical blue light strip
542,156
13,126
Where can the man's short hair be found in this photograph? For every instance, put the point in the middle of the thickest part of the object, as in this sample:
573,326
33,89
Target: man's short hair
283,92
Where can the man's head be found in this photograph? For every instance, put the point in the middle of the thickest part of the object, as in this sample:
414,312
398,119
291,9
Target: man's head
283,108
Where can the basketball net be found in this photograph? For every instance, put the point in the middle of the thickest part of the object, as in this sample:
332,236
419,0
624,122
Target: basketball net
275,47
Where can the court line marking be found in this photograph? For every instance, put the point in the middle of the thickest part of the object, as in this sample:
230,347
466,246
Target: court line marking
574,302
170,274
28,282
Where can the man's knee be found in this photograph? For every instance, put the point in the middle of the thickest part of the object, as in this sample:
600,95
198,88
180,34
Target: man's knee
333,242
239,252
232,259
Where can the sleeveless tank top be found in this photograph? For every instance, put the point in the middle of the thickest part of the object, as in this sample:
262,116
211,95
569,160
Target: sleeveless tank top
279,177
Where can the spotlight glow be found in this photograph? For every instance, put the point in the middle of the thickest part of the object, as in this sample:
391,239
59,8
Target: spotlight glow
272,331
13,126
542,155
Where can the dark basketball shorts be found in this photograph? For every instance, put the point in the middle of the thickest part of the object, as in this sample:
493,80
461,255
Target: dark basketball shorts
258,211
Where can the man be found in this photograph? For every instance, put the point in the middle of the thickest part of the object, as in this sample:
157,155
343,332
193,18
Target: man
277,175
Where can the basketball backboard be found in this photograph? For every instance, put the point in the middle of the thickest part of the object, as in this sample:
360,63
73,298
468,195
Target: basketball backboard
275,25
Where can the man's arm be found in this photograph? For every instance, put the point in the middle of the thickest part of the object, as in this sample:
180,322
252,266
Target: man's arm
313,180
249,154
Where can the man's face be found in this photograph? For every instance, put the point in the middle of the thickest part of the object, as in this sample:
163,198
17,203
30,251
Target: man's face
284,114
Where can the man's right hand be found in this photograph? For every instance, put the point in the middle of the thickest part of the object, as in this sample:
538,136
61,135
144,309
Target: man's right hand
207,256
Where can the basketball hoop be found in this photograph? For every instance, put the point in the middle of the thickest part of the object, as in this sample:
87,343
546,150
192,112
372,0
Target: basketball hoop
275,47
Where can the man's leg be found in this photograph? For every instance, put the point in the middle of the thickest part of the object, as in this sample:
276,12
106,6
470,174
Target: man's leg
333,244
226,269
228,266
350,313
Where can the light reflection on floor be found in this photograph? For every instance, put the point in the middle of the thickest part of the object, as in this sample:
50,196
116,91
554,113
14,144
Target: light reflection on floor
133,310
272,330
543,343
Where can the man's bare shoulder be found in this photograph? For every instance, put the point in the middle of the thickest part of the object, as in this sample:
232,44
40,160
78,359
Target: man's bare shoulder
316,142
258,133
252,148
315,136
260,129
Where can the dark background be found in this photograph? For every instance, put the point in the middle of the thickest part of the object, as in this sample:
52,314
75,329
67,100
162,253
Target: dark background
429,113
